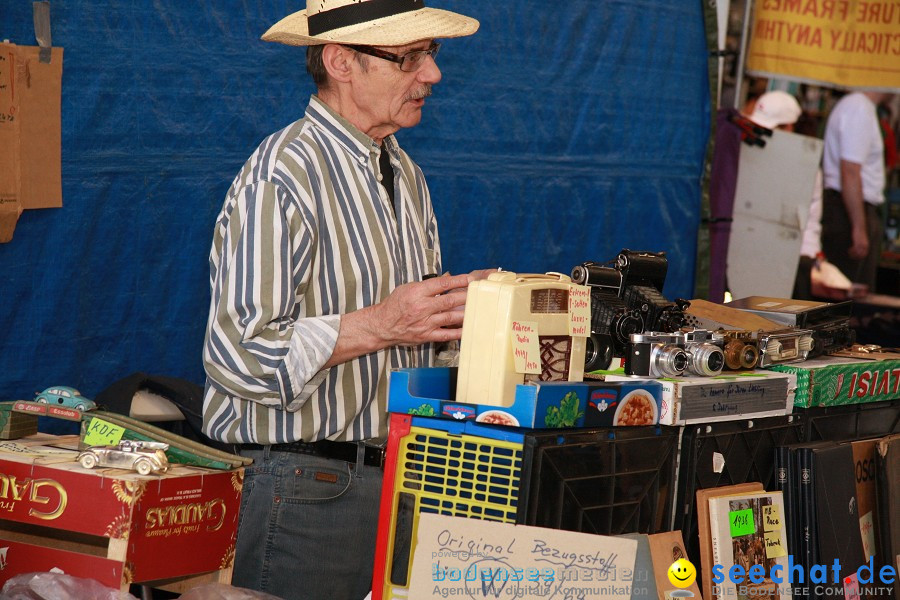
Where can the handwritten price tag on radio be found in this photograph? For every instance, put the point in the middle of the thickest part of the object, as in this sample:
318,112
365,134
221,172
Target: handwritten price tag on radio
526,350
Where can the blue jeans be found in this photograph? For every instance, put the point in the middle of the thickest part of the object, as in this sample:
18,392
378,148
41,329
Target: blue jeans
307,527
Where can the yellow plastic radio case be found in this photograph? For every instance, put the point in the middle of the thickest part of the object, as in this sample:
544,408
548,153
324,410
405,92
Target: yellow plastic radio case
487,370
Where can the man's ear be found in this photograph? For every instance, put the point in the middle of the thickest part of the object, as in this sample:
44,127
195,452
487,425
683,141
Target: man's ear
337,61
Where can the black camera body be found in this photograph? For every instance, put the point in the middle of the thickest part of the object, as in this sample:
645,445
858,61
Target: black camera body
612,321
644,274
626,299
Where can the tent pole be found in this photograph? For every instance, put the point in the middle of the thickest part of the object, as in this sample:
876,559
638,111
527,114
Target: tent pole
739,82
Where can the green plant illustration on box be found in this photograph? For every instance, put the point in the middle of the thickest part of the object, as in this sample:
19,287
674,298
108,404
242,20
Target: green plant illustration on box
566,414
426,410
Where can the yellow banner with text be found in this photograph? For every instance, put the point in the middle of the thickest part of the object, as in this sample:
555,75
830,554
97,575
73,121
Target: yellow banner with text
848,43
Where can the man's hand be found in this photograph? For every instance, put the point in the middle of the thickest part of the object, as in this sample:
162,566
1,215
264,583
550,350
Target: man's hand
852,194
413,314
473,276
859,249
422,311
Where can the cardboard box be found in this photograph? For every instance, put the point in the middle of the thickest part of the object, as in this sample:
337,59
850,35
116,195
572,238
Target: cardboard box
866,475
727,397
831,381
887,464
30,132
115,526
543,405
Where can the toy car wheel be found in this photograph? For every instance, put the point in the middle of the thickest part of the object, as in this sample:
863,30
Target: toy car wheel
80,407
42,400
88,461
143,466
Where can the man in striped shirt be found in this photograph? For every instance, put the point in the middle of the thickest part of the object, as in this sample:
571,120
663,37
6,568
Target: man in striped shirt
322,275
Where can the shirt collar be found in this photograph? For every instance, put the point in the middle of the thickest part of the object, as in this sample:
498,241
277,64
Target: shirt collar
344,132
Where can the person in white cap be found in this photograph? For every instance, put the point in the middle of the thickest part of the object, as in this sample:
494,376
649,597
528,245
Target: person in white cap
772,110
780,110
324,276
776,110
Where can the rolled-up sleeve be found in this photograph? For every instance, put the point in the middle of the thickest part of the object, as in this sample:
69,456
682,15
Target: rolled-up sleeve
258,345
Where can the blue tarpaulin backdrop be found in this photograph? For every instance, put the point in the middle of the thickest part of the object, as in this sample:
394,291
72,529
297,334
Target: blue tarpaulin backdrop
561,132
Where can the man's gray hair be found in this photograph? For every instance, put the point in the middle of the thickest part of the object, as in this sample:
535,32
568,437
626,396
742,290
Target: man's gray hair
315,65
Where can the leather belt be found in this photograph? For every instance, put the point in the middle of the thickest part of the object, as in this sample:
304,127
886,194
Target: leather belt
373,456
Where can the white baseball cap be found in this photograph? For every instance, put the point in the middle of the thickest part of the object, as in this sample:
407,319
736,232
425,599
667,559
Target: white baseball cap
776,108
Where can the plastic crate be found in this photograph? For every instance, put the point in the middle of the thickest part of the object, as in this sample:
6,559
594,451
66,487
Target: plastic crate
444,467
747,450
604,481
853,422
728,453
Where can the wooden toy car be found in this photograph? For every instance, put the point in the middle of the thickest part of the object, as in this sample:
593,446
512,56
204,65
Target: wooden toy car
143,457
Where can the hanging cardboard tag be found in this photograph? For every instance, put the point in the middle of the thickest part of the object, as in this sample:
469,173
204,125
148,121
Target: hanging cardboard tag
30,126
10,207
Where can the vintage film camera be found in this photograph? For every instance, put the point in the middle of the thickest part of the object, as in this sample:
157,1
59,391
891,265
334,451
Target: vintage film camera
695,352
705,352
741,350
656,354
612,322
626,299
829,322
644,274
787,345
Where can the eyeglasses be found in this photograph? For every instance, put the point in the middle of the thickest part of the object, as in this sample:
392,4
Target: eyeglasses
409,62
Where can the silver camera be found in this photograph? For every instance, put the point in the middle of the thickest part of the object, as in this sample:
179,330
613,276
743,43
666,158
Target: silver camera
656,354
705,352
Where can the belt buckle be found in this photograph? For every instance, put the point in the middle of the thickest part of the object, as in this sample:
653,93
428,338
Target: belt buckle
372,456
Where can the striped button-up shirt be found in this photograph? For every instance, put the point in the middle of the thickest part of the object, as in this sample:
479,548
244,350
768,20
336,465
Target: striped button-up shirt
307,234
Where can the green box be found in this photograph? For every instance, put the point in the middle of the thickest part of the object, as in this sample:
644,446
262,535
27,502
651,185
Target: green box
833,381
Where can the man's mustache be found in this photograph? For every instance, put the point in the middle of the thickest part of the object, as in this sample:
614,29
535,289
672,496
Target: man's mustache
422,92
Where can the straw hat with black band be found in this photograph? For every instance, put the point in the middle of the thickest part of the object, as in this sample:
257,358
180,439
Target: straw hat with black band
368,23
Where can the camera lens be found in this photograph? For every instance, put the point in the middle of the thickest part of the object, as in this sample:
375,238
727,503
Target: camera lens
740,355
626,324
598,352
668,361
706,360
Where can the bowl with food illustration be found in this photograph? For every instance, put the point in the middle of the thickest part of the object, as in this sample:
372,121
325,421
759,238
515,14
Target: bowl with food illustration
497,417
637,407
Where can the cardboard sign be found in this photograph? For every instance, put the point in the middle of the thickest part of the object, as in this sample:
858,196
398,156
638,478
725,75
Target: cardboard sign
850,43
580,311
526,350
469,558
771,207
103,433
30,133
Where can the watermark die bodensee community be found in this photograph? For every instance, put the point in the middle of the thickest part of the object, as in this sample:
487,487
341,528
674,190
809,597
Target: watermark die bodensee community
793,575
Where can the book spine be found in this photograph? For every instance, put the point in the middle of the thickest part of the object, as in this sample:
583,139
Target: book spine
785,483
807,501
721,542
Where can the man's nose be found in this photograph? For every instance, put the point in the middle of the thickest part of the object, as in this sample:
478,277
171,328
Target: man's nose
429,72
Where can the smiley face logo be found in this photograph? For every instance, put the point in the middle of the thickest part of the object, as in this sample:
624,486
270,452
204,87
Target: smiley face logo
682,573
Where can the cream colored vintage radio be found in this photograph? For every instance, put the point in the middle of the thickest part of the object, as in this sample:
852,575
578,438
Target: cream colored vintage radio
520,328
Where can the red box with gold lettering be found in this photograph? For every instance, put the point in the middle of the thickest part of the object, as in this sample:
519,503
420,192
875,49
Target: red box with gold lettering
171,531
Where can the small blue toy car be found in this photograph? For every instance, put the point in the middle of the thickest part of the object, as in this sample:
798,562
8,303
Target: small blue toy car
65,396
